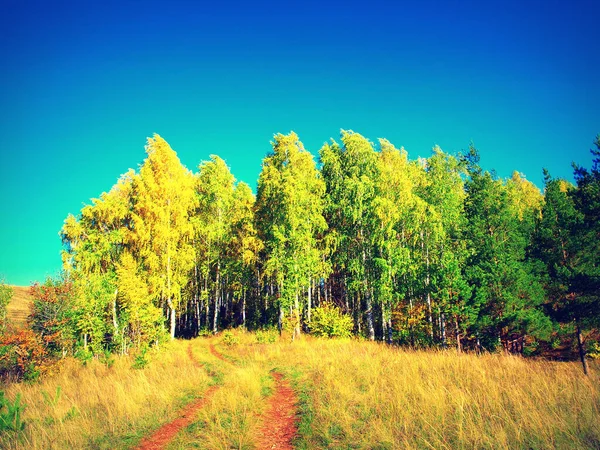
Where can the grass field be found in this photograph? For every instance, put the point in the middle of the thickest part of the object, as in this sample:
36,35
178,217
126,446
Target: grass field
18,308
352,395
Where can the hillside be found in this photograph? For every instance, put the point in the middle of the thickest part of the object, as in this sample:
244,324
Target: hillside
18,308
243,390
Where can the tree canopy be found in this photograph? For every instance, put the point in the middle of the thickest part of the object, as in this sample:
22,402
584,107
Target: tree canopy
434,251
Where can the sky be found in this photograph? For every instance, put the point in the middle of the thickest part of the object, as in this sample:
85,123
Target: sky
83,84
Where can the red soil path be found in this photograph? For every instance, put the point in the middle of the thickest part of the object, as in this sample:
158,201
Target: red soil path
214,352
280,424
161,437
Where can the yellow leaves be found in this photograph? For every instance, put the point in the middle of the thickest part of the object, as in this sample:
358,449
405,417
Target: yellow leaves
525,195
164,200
565,186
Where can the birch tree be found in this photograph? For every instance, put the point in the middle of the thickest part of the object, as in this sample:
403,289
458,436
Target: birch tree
289,211
162,202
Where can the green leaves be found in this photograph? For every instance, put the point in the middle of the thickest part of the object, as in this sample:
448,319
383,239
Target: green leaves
10,414
409,249
289,215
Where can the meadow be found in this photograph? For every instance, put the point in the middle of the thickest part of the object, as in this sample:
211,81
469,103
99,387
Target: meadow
19,306
351,394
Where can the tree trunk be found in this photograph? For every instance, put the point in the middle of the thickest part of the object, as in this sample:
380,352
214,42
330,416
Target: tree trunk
383,324
369,314
410,313
197,296
217,294
173,319
280,320
443,330
244,308
297,317
114,313
206,305
427,282
581,347
309,300
319,287
369,302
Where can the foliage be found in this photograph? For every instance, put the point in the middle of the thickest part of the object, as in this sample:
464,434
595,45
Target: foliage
10,419
289,215
267,336
53,315
22,355
6,293
329,321
429,252
141,359
230,339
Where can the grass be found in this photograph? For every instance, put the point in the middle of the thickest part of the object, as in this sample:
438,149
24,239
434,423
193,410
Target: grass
364,395
18,308
106,407
352,395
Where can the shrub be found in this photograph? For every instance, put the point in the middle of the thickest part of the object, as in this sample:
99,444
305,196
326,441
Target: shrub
329,321
141,360
22,355
266,336
593,350
230,339
52,315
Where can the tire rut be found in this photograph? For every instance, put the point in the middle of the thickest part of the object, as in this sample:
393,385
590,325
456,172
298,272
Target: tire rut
165,434
280,421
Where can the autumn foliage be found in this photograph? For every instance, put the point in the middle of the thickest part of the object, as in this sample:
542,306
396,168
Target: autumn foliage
22,355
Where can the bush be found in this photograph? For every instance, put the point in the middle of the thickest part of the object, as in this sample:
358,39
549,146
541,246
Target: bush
266,336
52,315
141,359
230,339
329,321
593,350
22,355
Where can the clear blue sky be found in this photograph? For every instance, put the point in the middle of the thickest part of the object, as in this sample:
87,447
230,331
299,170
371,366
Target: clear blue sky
83,83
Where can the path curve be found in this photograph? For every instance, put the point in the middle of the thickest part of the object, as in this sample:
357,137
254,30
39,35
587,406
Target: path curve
216,353
161,437
280,422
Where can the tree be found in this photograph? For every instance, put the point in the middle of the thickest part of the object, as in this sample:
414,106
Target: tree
163,199
289,212
446,254
507,296
568,243
52,315
142,318
245,246
215,201
93,244
350,173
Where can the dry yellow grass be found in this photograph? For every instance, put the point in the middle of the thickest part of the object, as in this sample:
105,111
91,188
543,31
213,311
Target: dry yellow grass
353,395
364,395
19,306
232,416
106,407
